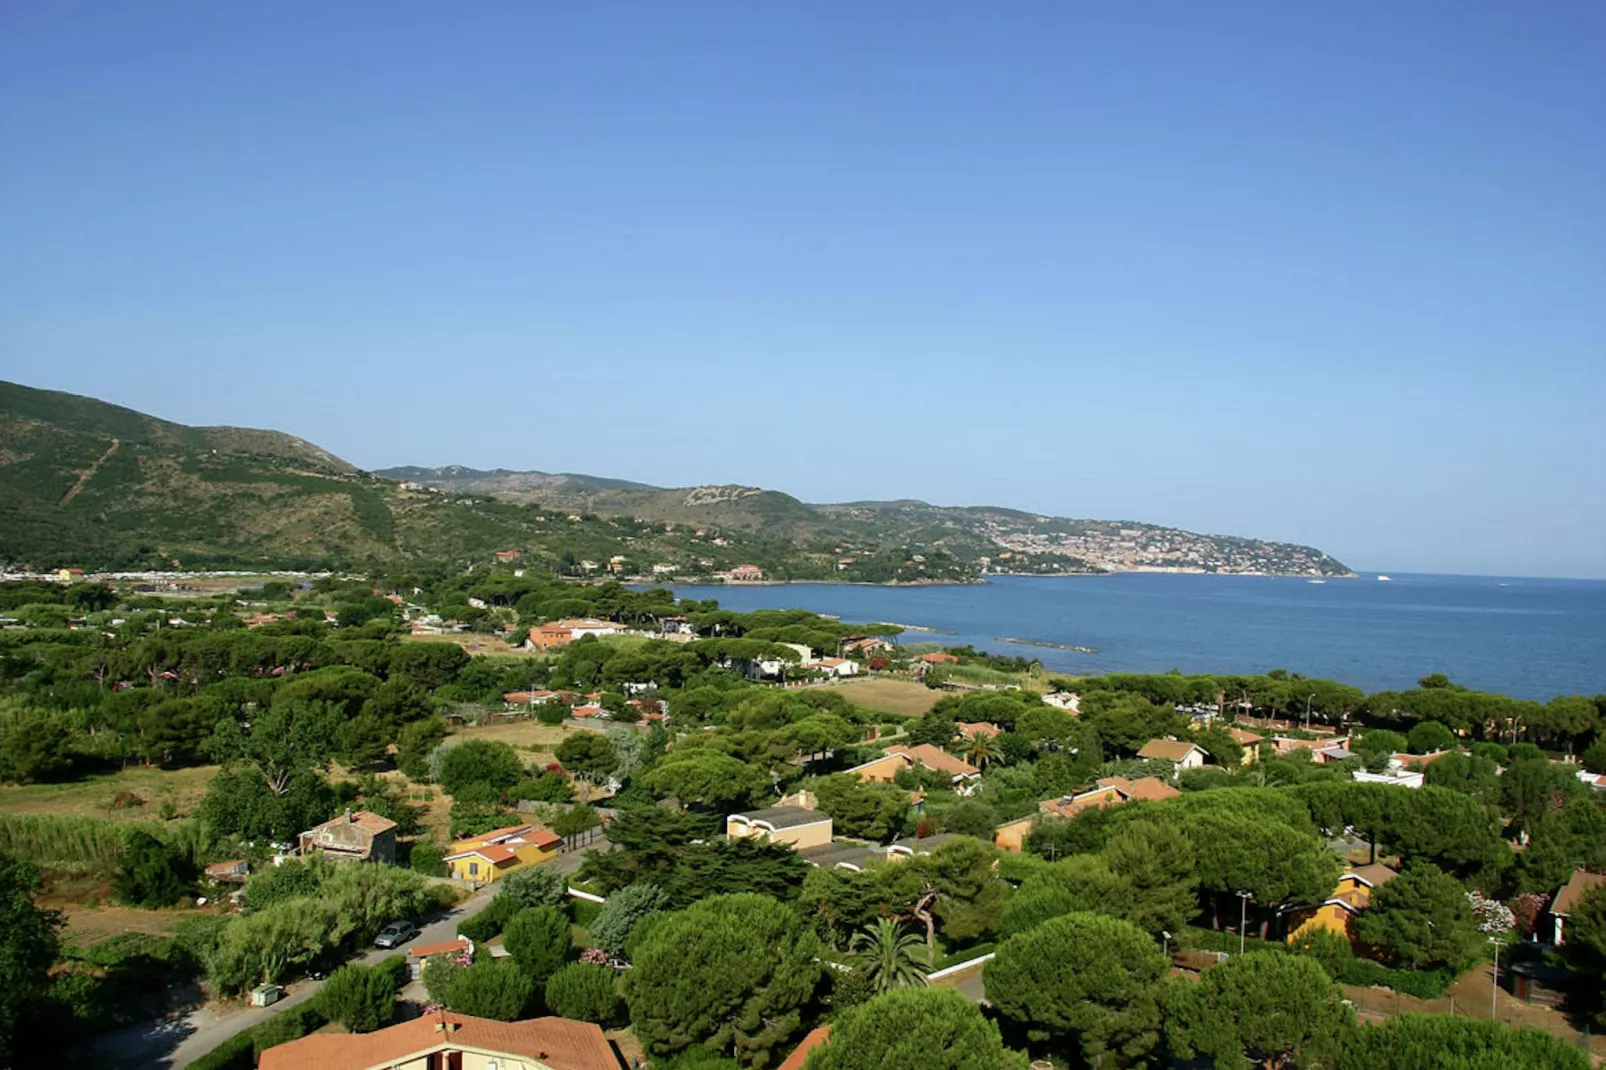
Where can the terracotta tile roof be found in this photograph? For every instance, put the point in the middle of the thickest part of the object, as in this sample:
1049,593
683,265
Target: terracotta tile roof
800,1054
1171,750
555,1042
450,947
1146,789
370,823
938,658
1244,737
1580,884
936,759
972,729
1375,874
495,834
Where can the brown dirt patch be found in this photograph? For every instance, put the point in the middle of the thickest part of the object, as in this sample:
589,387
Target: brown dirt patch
90,925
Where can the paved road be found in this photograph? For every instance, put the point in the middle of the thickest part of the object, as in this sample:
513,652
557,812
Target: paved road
179,1039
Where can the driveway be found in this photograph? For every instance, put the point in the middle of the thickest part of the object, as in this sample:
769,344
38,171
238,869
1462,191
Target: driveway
177,1040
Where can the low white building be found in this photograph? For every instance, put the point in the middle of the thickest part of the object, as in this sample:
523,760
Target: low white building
839,667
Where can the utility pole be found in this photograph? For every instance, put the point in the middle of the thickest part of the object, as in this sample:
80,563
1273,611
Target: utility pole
1243,918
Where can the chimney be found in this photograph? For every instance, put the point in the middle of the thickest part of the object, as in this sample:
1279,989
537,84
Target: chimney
349,818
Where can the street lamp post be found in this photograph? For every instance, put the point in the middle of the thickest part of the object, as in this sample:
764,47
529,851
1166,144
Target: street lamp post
1243,918
1494,984
1307,709
1167,937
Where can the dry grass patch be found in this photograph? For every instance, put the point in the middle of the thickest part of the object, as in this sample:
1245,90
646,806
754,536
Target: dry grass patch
94,796
887,695
90,925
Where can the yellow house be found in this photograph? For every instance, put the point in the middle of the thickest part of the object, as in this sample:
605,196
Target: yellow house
1011,836
792,825
1337,913
493,855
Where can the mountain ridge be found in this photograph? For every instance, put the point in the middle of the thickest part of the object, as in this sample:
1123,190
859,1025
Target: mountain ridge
84,482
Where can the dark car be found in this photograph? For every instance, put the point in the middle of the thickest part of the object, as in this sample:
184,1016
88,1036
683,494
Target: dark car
396,934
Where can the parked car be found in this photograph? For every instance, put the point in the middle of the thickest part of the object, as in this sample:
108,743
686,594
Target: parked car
396,934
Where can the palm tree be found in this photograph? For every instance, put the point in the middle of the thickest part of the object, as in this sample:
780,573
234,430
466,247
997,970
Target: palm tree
886,955
979,749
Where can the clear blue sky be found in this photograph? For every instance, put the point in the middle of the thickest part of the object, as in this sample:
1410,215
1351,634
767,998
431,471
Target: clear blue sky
1330,273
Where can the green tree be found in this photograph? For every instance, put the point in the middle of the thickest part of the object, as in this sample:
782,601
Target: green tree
915,1029
34,745
704,777
1429,737
28,948
490,989
539,941
1423,918
621,913
731,973
1533,788
584,992
153,874
886,955
588,756
576,821
1083,979
479,761
1467,774
869,811
1155,864
361,998
1270,1008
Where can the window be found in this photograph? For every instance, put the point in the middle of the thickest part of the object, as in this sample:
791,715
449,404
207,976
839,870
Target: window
473,869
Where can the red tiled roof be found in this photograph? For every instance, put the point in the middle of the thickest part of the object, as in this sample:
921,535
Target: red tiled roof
937,759
555,1042
800,1054
972,729
450,947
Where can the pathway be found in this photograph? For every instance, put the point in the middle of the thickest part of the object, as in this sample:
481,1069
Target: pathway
89,473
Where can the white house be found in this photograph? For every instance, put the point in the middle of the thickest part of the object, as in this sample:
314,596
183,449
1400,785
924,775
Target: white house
1180,754
837,666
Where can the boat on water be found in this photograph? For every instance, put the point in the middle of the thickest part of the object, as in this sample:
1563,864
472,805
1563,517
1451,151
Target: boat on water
1382,579
1315,581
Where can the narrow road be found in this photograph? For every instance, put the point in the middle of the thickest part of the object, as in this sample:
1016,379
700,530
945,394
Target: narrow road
176,1040
89,473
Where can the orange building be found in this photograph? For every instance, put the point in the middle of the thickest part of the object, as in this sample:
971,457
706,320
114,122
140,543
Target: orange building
1337,912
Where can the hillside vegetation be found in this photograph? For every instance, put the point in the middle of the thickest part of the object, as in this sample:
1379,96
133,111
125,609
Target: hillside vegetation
89,484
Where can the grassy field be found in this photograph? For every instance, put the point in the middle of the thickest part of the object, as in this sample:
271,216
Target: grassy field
92,796
885,695
528,734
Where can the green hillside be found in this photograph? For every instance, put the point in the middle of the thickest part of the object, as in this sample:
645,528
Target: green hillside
89,484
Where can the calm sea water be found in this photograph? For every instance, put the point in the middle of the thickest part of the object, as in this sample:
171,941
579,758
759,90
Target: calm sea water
1530,638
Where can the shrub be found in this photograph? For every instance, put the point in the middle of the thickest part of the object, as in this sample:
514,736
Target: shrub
490,989
426,858
620,914
584,992
534,886
488,922
153,874
479,761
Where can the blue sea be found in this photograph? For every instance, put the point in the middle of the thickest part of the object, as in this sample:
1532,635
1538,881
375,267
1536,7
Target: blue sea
1530,638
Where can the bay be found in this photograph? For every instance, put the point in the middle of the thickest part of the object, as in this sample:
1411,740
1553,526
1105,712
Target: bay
1530,638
